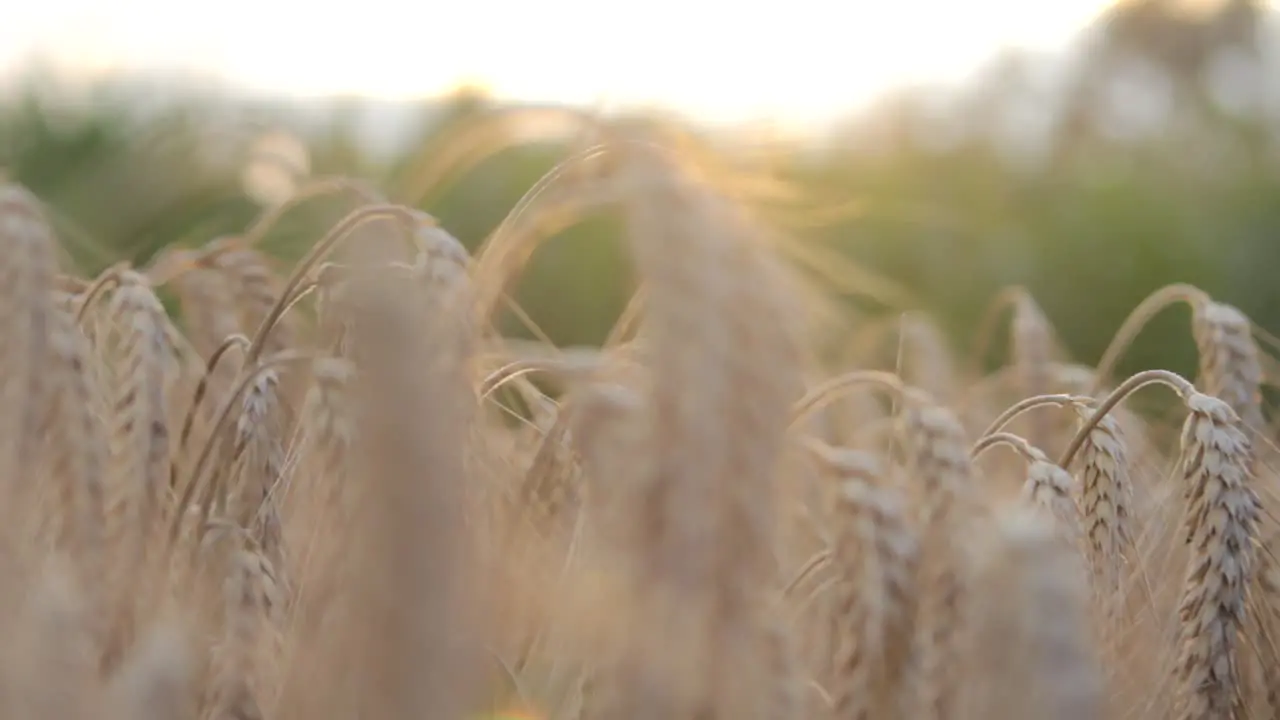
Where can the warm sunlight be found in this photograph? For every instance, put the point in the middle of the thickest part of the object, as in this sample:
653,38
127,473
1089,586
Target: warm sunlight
796,59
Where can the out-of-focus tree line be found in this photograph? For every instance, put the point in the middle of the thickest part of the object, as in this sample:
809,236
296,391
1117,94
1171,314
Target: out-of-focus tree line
1149,157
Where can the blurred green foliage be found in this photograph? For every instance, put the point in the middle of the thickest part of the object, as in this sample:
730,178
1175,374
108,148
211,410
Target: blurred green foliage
1090,230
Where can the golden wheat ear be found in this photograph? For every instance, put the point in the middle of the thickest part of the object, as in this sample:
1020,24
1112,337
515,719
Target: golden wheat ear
875,596
1221,528
940,470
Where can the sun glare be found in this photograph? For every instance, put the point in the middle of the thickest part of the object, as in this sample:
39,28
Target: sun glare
795,58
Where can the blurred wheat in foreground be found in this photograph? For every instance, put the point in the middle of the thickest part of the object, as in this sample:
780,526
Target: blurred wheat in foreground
339,493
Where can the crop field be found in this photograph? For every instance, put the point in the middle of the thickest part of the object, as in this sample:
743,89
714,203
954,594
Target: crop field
242,489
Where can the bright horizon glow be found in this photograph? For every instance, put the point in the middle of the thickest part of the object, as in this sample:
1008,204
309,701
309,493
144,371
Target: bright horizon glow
798,60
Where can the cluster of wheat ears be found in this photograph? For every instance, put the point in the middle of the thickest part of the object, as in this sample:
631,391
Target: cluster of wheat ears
338,492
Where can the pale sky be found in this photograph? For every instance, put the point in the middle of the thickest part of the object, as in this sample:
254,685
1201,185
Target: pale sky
751,58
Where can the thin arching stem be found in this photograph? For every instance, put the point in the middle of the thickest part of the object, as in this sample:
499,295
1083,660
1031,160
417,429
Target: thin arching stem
1017,442
829,391
202,388
493,247
1013,411
629,318
813,565
317,253
1176,382
314,188
168,266
233,401
70,284
106,278
520,368
1138,319
526,320
829,458
297,298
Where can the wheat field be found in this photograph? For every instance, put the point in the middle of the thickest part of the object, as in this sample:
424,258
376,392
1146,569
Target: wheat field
334,490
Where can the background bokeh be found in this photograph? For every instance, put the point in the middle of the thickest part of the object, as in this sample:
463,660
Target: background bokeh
1148,155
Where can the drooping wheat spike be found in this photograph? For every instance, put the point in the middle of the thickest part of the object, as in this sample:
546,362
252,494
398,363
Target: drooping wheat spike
256,288
1221,525
259,455
551,483
875,556
139,471
939,467
1231,369
1229,364
251,595
1031,627
1106,505
1049,487
809,592
26,302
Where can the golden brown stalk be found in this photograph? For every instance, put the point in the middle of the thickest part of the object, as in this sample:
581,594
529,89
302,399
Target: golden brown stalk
1229,364
1031,628
725,371
1221,527
412,618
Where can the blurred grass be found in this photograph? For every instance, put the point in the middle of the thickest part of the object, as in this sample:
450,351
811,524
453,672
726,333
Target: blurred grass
1090,234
